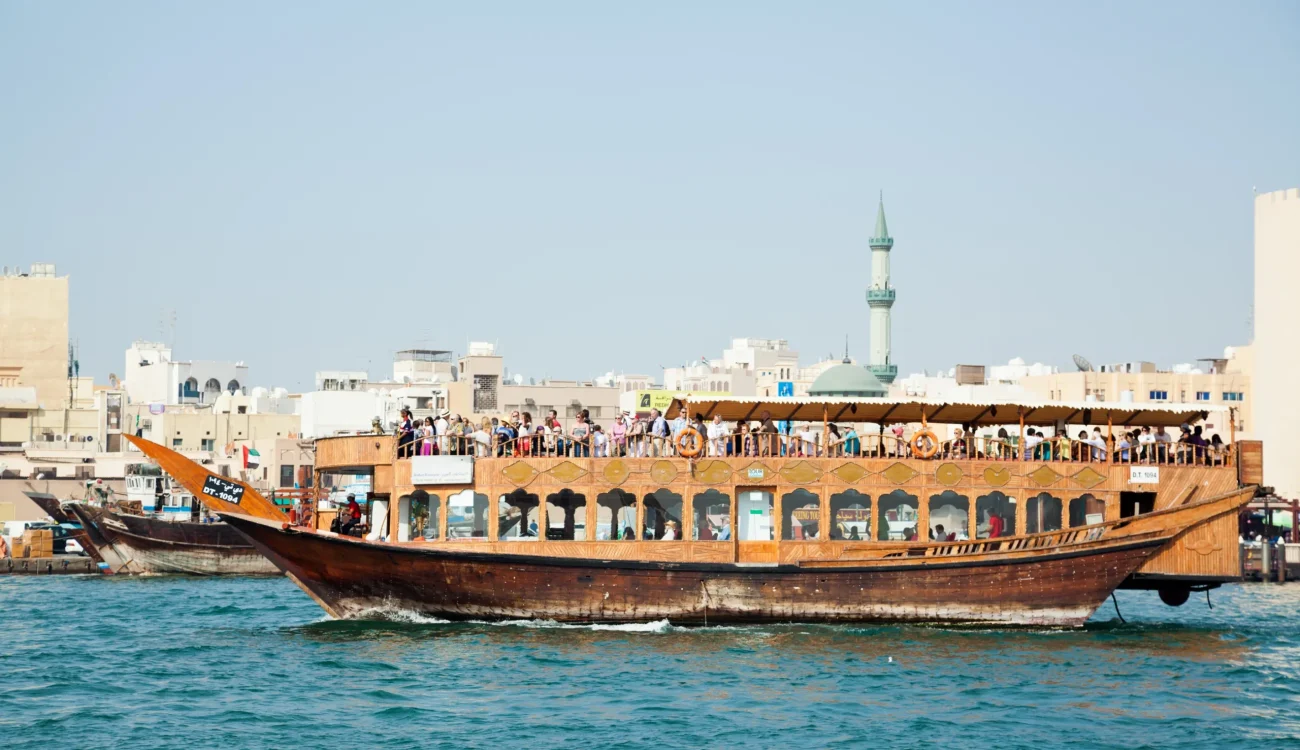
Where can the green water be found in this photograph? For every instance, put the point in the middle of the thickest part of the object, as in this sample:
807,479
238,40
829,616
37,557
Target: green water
118,662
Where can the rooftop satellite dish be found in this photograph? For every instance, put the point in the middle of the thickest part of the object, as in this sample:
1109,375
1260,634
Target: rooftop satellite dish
1083,364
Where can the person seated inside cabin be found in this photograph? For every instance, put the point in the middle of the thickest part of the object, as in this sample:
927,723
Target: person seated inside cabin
909,534
353,515
724,534
670,532
853,534
996,525
941,536
629,534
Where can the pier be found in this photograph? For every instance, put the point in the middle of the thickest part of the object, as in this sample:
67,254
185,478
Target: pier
48,566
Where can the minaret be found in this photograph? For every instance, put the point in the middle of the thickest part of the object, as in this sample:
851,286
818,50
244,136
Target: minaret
880,297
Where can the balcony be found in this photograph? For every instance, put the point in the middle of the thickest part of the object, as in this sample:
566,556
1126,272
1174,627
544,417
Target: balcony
880,297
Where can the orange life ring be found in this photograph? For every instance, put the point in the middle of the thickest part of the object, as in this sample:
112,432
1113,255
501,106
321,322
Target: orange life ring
916,444
696,444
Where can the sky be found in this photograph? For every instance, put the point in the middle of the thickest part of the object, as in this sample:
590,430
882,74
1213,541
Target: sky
623,187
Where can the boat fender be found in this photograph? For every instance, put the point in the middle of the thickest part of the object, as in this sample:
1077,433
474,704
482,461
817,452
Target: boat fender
689,443
916,444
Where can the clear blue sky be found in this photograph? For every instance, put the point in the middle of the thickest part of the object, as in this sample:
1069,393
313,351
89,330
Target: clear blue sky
596,186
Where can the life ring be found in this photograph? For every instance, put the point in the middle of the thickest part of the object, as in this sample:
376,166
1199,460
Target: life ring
916,444
693,448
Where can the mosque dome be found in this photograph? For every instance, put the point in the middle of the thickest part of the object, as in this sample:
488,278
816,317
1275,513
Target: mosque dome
847,379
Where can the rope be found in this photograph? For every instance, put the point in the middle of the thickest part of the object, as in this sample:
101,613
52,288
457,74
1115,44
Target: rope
1116,603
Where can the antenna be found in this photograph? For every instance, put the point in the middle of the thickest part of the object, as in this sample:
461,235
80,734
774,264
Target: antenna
1083,364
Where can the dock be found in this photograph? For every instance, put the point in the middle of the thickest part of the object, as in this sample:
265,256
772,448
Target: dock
46,566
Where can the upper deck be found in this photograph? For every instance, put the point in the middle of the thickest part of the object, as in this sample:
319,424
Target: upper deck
782,495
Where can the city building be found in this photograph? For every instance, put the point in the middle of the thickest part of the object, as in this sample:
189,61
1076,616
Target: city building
482,390
1221,381
153,377
1277,337
34,336
880,299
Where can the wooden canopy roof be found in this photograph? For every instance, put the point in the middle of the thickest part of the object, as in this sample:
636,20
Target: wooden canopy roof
976,413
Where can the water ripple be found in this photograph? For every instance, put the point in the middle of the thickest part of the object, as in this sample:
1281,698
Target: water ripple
165,662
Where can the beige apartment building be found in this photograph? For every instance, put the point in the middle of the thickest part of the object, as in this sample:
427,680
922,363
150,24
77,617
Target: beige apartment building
1277,337
34,333
483,391
1225,382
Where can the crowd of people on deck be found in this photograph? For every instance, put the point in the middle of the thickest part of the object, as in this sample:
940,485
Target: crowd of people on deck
653,435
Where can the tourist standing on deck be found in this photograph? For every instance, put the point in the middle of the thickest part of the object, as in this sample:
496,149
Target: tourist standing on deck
768,439
405,434
659,434
717,436
426,437
581,434
618,435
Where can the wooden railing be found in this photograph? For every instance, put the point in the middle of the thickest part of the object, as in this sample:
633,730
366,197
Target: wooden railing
482,444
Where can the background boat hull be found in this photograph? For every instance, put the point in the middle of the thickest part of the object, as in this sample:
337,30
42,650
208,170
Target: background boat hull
138,544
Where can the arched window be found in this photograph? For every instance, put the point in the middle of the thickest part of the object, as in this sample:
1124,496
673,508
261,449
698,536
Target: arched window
232,387
851,516
1042,513
1087,510
212,386
616,516
898,516
662,507
800,515
995,504
517,516
712,520
191,388
949,516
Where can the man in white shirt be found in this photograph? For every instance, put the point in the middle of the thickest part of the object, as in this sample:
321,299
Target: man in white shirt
1099,452
440,426
717,437
1032,439
809,439
1163,439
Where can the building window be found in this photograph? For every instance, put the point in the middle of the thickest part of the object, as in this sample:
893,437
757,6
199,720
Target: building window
176,442
1159,395
1233,396
1202,395
207,444
286,475
243,410
1101,395
485,393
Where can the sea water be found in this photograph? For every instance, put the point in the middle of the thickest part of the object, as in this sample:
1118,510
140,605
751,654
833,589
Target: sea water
146,662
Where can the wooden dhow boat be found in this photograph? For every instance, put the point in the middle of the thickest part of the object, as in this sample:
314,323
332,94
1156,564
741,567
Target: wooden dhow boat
160,529
135,543
771,528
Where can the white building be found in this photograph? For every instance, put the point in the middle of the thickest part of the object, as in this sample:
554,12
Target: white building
1277,337
152,376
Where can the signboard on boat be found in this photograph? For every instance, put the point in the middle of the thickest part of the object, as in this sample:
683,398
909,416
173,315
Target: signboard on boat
1144,475
442,470
223,489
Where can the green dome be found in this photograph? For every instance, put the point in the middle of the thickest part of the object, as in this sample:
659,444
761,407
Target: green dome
847,379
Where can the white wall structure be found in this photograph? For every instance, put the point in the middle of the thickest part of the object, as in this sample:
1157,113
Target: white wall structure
152,376
326,413
1277,337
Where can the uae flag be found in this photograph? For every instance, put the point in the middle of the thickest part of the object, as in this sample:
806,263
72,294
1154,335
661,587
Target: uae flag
252,459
